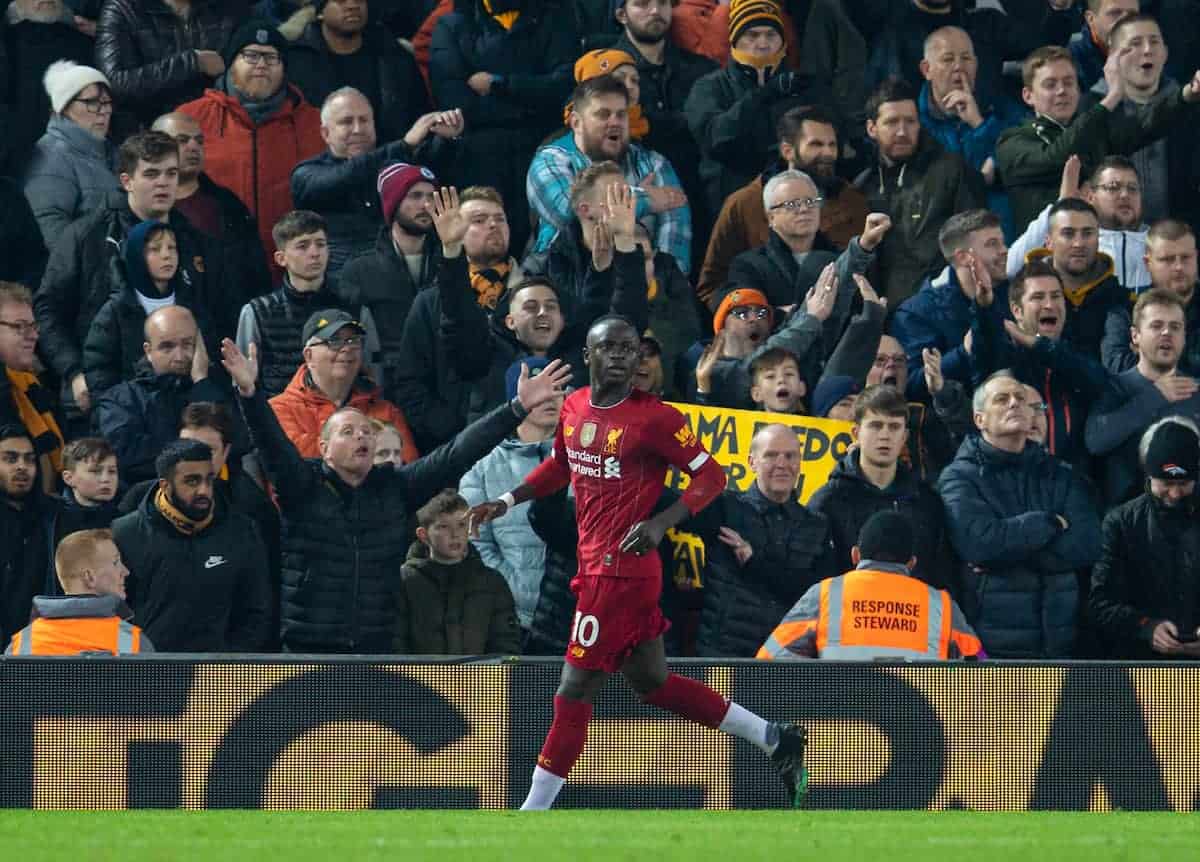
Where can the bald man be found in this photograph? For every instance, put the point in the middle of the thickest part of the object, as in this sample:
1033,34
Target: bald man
216,211
139,416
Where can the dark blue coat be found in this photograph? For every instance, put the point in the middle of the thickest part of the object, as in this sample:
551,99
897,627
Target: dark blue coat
938,315
1020,581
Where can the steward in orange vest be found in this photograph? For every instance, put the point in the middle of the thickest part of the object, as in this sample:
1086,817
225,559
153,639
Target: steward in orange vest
74,625
878,610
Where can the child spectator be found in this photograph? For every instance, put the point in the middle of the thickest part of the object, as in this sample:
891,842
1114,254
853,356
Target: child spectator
145,278
389,443
274,321
89,500
449,602
777,385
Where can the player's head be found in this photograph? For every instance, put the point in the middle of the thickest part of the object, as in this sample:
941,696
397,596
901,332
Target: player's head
612,351
887,537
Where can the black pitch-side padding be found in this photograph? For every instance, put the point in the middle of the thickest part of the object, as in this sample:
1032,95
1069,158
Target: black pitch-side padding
344,732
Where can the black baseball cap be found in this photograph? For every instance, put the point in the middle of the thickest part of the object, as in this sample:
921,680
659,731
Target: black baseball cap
325,323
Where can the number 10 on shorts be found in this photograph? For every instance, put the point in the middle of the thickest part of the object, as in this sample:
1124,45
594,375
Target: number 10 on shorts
585,630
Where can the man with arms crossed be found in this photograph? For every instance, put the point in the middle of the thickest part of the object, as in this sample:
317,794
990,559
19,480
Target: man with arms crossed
614,444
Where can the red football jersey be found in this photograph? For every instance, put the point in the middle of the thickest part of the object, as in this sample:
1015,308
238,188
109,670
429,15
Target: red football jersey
617,459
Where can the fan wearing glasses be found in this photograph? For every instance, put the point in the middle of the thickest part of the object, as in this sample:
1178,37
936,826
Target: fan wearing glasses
332,378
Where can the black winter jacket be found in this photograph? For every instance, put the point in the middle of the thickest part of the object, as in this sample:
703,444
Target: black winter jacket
1146,574
460,609
534,60
67,517
1020,588
149,53
23,252
793,549
208,592
733,120
772,269
113,347
244,260
401,97
380,279
342,545
848,500
76,283
24,558
919,195
140,416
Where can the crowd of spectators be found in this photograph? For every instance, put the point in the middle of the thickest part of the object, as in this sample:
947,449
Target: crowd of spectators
287,287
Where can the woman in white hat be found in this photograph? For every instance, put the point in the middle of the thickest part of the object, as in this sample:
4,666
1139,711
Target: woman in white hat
72,168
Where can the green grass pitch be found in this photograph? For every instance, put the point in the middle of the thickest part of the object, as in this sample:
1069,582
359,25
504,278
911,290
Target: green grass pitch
576,836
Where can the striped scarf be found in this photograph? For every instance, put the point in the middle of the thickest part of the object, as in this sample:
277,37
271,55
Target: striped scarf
33,404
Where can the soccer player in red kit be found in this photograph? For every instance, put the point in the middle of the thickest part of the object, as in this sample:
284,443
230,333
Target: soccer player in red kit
614,444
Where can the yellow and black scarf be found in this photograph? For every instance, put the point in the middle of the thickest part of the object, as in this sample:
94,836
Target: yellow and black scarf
504,19
489,282
176,518
33,405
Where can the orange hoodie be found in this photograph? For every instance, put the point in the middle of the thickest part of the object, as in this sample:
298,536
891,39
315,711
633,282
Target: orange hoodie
302,410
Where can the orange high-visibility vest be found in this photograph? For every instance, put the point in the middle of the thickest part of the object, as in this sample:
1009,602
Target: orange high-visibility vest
75,635
867,614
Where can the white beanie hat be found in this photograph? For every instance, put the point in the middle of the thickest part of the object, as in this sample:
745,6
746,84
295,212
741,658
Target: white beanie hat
66,79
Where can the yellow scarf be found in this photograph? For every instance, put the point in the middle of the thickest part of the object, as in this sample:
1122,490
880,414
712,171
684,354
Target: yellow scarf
177,519
754,62
504,19
33,407
489,282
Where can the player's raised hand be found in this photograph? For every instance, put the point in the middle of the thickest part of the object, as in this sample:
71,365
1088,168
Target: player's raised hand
535,391
243,369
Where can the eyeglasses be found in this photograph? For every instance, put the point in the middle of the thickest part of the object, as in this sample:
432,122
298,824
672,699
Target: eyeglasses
255,58
800,204
336,344
1117,188
96,105
746,312
21,327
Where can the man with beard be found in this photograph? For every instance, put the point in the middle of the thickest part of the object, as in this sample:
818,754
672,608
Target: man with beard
1024,524
140,416
917,183
344,47
24,520
473,272
939,316
666,74
256,125
600,132
1115,192
1033,348
950,112
1151,390
1171,262
198,576
1144,600
214,210
340,184
808,142
404,262
1090,286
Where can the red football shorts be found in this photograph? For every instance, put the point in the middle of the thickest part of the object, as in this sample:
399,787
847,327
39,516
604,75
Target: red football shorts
612,616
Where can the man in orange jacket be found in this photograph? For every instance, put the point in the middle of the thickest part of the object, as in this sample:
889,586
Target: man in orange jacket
878,610
92,617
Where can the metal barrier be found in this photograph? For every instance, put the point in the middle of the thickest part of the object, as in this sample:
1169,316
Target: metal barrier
349,732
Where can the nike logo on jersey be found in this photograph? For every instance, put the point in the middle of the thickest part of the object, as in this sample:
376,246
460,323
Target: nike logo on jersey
214,561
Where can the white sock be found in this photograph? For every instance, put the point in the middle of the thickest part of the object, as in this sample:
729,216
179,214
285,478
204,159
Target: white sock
543,790
743,723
